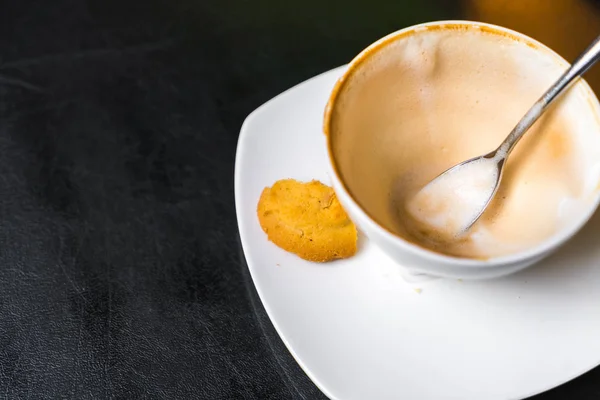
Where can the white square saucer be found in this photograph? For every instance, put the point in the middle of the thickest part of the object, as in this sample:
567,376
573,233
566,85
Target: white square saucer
360,331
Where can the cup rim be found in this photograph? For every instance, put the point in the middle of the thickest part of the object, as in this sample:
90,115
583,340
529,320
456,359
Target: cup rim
548,244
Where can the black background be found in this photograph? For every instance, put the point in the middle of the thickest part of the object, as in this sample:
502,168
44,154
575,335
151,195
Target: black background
121,274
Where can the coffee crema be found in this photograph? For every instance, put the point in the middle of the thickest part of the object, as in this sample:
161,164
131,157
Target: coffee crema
436,97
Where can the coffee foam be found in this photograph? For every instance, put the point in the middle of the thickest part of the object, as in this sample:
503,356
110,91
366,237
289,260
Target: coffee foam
433,98
450,203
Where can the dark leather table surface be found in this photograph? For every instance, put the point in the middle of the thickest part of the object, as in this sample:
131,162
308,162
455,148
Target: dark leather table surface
121,274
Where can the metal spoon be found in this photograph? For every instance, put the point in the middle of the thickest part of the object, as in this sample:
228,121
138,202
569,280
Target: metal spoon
500,155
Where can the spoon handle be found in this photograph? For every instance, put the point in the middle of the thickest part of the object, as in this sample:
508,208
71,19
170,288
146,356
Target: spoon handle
578,68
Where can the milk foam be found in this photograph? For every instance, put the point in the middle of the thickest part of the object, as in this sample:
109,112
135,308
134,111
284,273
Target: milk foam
450,203
434,98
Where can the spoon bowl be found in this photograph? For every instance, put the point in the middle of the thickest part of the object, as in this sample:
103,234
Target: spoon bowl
455,200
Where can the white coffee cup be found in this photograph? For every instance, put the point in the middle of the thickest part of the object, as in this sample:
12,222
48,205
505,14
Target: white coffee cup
418,259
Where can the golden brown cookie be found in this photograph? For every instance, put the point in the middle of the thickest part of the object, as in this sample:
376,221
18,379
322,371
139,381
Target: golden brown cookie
306,219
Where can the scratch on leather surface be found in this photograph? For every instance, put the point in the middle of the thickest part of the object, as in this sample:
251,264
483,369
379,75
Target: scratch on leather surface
77,55
7,80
